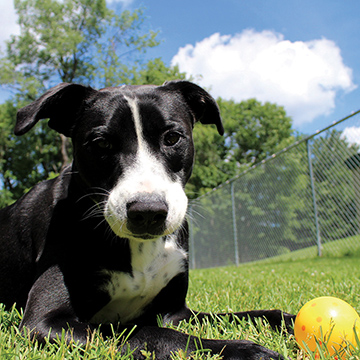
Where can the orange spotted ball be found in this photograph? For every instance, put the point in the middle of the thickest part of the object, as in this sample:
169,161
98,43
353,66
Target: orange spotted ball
329,320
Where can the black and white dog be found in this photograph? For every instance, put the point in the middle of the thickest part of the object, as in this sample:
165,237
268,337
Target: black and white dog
106,242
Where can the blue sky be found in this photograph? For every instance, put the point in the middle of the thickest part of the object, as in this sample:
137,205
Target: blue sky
304,55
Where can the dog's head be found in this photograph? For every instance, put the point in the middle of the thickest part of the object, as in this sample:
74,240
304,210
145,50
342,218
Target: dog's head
133,145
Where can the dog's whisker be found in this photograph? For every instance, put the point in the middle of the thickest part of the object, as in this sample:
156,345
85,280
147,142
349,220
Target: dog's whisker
94,211
103,221
100,193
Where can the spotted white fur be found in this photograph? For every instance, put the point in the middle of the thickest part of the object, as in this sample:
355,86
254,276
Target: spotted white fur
154,262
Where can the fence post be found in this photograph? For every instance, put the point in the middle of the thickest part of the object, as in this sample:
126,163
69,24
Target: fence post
313,191
191,238
234,224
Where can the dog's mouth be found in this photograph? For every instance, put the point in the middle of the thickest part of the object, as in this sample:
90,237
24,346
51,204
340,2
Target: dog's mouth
124,233
125,230
143,217
138,228
141,237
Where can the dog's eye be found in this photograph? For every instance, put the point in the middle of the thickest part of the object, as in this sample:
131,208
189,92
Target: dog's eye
103,144
171,138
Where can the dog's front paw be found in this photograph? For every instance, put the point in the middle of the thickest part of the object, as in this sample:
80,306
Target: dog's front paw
241,350
289,321
277,319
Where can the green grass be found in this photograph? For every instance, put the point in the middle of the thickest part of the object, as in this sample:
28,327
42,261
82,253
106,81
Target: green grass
283,285
338,248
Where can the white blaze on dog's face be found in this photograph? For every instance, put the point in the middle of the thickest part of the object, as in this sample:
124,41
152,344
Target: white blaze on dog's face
145,180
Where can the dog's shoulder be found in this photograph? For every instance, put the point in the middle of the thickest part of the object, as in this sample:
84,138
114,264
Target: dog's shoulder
35,206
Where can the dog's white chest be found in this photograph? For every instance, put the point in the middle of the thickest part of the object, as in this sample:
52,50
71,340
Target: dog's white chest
154,264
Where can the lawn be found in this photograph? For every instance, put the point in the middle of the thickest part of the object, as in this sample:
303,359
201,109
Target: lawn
339,248
283,285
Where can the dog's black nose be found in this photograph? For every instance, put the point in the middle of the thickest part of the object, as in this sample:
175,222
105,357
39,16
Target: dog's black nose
147,216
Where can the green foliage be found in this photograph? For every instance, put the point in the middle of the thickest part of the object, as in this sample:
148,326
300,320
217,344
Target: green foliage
123,40
209,170
71,41
155,72
336,186
27,160
254,130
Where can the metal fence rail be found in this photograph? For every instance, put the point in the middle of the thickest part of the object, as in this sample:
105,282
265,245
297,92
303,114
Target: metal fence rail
305,196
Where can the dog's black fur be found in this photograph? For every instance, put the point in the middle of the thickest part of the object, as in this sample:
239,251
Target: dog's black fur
57,252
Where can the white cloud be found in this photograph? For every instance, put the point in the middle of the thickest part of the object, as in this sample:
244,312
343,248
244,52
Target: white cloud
352,134
305,77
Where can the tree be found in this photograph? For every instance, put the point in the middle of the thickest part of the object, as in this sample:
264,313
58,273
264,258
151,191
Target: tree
336,188
7,143
209,168
155,72
71,41
253,131
26,160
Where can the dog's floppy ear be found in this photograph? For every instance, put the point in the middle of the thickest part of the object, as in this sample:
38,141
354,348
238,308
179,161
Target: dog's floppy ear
201,103
59,104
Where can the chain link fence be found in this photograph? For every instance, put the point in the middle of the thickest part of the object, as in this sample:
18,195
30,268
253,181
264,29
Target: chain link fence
304,199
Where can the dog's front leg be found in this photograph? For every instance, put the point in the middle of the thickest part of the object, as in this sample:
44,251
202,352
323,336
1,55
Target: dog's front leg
275,318
162,342
49,311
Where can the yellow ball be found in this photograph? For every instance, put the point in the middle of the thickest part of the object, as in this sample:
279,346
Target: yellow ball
329,320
